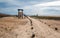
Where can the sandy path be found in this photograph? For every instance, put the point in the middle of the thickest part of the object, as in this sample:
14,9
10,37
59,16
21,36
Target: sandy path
34,30
43,31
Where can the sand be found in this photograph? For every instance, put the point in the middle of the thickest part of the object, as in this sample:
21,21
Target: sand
12,27
51,23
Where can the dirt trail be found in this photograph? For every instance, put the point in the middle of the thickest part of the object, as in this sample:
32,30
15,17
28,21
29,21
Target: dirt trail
43,31
32,29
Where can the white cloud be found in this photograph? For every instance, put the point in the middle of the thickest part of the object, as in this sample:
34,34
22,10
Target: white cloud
48,5
54,3
44,5
40,8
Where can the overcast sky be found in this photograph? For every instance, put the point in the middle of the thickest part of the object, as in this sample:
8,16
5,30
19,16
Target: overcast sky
31,7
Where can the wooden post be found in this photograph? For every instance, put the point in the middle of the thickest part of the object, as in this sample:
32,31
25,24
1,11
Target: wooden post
20,13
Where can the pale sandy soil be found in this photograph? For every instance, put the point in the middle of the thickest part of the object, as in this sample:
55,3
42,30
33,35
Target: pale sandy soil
41,30
52,23
12,27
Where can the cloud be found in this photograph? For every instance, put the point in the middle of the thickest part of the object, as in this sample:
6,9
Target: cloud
49,8
54,3
41,7
10,6
12,3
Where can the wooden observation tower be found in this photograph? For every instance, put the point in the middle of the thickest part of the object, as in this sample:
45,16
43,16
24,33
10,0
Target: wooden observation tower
20,13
